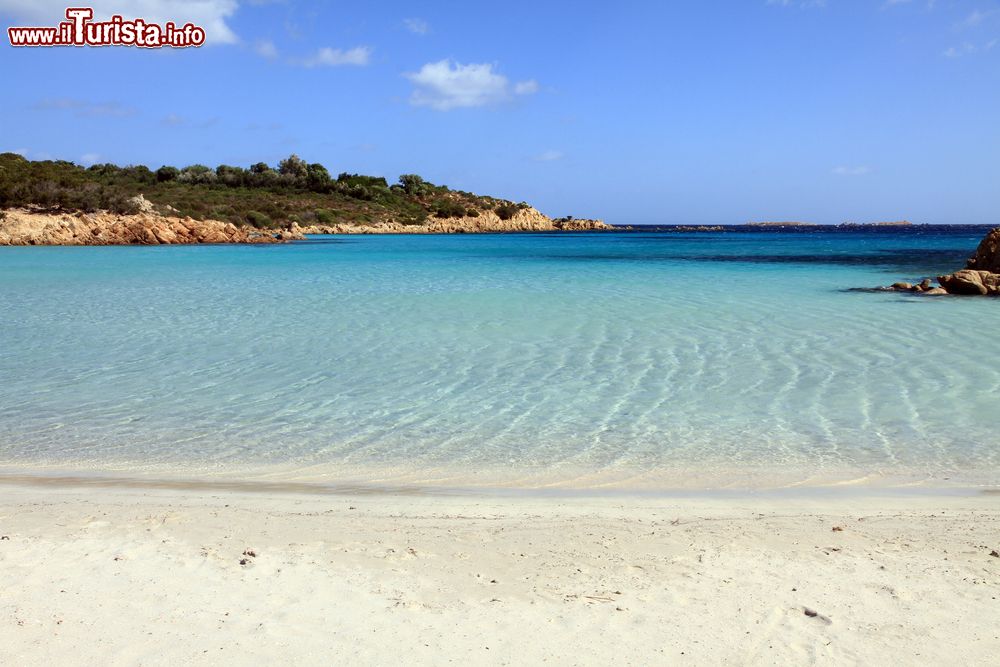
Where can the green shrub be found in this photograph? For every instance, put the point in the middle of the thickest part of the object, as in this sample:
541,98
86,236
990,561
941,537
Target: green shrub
294,167
325,216
197,174
138,173
231,176
259,220
448,208
412,184
165,173
506,211
317,177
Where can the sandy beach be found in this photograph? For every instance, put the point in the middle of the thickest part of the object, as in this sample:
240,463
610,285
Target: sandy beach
156,576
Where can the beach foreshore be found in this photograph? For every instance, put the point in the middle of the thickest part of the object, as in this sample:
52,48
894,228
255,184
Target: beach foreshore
159,575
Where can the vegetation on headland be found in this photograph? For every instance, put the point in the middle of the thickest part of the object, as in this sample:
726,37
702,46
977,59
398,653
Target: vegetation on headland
260,195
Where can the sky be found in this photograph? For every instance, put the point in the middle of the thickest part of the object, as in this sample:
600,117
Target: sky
686,112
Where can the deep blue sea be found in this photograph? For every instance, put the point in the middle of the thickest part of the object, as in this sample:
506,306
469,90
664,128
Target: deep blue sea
651,359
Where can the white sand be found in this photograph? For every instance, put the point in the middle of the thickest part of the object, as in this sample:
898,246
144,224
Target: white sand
153,577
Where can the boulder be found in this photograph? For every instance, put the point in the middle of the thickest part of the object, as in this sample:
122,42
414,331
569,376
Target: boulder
964,282
980,277
141,204
987,257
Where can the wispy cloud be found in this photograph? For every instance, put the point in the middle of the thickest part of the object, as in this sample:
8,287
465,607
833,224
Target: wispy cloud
928,4
446,85
977,17
528,87
550,155
860,170
802,4
265,127
84,109
968,48
417,26
175,120
28,154
265,48
212,15
88,159
328,57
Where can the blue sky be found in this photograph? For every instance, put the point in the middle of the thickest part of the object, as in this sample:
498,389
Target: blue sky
636,112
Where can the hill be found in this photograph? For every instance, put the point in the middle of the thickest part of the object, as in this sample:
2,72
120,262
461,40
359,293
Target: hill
294,193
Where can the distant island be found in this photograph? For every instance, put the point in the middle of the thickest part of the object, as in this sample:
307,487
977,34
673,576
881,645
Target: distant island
781,224
60,203
900,223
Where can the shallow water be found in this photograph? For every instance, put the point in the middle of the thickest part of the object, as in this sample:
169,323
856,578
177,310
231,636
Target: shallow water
656,359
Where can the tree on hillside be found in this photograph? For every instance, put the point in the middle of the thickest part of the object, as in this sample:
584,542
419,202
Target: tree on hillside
412,184
166,173
317,176
293,166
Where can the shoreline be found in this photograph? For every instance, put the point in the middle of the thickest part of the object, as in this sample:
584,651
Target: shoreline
312,484
127,576
40,227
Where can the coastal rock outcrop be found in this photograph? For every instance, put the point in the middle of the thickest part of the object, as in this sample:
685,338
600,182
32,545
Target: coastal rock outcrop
27,227
524,220
980,277
968,281
987,257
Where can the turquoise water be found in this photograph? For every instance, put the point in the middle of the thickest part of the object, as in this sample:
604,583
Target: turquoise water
656,360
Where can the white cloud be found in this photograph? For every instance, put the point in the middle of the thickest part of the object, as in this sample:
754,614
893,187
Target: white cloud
84,109
265,48
175,120
209,14
976,18
90,158
860,170
968,48
328,57
528,87
803,4
548,156
417,26
446,85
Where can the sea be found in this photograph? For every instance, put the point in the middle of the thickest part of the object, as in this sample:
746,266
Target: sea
651,359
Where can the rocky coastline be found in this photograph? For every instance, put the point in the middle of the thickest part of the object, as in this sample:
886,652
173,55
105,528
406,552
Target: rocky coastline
980,277
28,227
36,227
486,222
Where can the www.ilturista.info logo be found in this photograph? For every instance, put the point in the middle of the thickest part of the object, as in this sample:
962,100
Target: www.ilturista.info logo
80,30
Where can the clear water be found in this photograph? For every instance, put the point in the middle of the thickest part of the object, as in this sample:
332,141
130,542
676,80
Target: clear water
655,359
